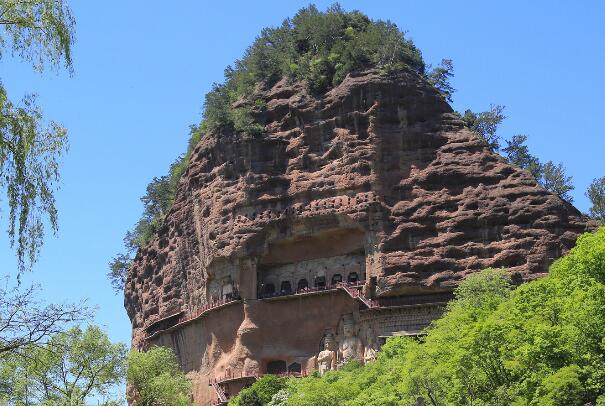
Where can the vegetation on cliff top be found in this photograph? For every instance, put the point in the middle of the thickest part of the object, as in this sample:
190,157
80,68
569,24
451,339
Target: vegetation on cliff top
314,47
541,344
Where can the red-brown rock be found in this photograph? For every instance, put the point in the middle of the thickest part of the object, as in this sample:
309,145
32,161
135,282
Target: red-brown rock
378,177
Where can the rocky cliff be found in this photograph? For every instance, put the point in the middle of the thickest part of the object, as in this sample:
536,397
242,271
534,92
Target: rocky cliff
377,180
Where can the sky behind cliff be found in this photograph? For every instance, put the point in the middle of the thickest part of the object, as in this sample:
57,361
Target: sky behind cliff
143,67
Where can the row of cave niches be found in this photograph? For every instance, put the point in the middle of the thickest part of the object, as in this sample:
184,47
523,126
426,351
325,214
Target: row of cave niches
318,283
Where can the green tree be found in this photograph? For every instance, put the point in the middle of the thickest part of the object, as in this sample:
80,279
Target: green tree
40,32
260,392
517,153
596,195
486,123
156,379
563,388
118,271
555,180
71,369
440,78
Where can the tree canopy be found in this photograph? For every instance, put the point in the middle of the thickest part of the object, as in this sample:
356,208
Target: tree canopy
72,369
314,47
596,195
157,379
40,32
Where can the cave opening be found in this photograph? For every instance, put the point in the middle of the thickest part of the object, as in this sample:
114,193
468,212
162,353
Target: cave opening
276,367
317,261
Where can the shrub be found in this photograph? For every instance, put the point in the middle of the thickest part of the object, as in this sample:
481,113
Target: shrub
260,392
157,379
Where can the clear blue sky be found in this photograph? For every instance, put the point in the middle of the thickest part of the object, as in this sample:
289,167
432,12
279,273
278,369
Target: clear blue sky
143,67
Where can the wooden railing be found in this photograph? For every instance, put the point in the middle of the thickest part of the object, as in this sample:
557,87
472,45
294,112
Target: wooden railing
430,298
353,289
234,376
316,289
223,397
220,392
183,319
356,292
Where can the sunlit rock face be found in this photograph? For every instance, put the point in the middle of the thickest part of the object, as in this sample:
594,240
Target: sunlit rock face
377,181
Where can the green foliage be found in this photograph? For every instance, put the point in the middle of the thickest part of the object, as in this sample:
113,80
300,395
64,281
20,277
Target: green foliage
484,290
517,153
74,368
542,343
563,388
318,48
29,164
596,195
486,124
260,392
118,270
440,77
585,261
39,32
555,180
156,378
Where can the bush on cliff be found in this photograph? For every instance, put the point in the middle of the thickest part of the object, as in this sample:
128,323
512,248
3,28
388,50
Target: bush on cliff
541,344
156,379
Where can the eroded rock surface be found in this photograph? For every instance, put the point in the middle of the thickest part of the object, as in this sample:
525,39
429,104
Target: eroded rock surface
378,180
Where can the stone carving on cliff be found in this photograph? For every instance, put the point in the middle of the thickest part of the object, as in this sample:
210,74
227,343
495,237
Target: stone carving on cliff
326,359
371,346
350,347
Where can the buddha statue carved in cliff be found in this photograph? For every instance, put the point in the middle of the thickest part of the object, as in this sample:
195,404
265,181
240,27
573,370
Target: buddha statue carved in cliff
350,346
371,348
326,359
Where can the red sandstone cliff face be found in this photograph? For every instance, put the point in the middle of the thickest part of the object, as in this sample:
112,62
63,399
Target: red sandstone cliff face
378,174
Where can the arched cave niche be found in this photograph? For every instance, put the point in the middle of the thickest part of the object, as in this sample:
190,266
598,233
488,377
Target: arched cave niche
285,287
320,282
336,278
276,367
294,368
268,289
302,284
353,277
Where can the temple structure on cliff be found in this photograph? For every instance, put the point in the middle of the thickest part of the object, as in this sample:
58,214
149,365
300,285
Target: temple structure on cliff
349,220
